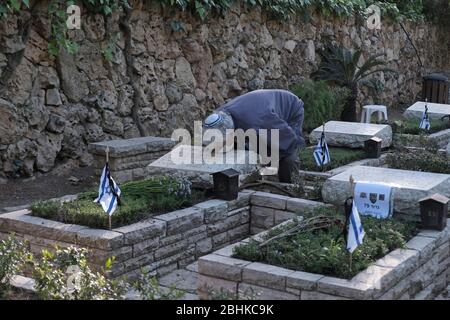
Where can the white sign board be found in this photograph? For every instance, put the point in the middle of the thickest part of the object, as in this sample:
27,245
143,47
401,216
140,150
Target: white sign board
373,199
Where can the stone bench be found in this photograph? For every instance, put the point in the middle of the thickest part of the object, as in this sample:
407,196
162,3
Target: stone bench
128,158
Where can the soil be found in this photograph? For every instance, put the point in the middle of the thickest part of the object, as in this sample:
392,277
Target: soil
62,181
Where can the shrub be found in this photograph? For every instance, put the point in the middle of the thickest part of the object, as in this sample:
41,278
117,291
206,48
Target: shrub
339,157
411,126
340,66
322,102
426,160
140,200
66,275
324,251
13,255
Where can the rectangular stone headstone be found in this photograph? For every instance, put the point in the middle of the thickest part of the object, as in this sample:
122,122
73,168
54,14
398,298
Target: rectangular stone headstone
131,147
435,110
352,134
408,187
197,168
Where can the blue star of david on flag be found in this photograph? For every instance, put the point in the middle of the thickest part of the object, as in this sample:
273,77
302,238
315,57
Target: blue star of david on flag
108,192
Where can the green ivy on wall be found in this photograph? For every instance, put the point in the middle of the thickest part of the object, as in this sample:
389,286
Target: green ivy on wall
415,10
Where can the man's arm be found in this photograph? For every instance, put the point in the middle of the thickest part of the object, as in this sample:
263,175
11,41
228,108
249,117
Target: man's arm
296,123
289,139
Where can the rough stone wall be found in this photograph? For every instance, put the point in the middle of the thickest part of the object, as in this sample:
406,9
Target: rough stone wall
161,79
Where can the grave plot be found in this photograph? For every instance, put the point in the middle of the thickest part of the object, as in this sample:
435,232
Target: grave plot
158,242
352,134
408,186
407,132
345,142
160,233
425,159
254,268
435,110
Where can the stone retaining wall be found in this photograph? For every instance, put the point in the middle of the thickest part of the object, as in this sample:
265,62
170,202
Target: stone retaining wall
129,158
163,77
420,271
160,244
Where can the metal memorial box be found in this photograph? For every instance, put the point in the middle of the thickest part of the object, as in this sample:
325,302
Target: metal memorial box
373,147
226,184
434,211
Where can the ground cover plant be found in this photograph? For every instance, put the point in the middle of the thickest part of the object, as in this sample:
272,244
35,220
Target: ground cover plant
339,157
323,251
13,256
139,200
411,126
421,159
66,274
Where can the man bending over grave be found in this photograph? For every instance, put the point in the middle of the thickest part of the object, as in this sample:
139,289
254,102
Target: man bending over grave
266,109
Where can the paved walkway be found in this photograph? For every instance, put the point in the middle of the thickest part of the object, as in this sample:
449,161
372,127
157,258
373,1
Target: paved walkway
184,280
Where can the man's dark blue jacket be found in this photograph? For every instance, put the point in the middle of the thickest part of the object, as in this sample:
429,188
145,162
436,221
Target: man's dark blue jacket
270,109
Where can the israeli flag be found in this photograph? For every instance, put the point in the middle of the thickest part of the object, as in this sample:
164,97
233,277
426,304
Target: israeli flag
425,122
108,192
355,230
321,153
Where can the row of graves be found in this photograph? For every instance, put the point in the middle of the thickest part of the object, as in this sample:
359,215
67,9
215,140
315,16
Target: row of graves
366,218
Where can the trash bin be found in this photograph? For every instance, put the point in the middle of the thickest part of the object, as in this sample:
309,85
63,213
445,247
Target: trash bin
435,88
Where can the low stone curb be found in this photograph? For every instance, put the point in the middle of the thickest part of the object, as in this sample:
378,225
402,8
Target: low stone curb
421,270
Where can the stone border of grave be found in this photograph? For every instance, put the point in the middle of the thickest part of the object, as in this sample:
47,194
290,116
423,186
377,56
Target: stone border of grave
161,244
420,271
164,242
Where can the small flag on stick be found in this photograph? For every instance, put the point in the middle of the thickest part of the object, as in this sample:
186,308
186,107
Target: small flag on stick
355,230
425,121
108,191
321,153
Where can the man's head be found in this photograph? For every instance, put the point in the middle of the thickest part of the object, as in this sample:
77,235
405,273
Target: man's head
219,120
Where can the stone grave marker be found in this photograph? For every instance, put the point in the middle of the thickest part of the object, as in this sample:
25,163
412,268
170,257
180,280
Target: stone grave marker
352,134
408,187
201,172
435,110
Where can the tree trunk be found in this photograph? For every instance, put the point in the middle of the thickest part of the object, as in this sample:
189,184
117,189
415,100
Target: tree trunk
349,112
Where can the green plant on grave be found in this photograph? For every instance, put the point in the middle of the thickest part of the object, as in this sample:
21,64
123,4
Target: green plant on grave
322,102
340,66
13,256
140,200
149,289
424,159
324,251
339,157
411,126
66,275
